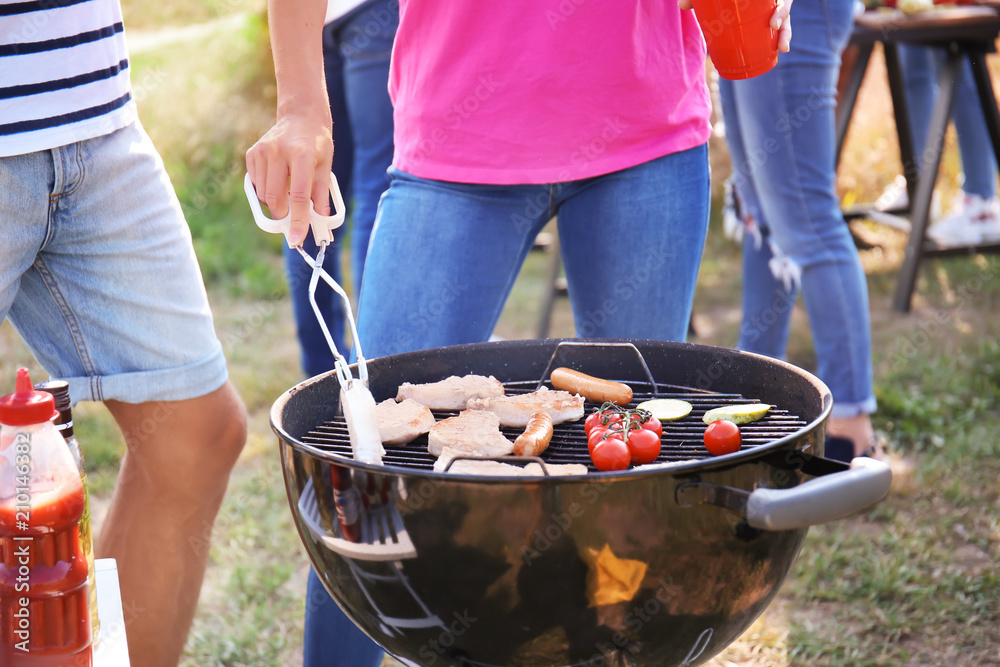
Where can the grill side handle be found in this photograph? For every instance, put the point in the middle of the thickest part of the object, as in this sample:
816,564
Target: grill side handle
821,499
818,500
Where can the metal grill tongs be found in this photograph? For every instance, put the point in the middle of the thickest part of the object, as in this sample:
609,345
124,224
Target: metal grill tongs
356,399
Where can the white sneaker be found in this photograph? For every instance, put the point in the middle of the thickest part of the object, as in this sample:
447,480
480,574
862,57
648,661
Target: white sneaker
976,221
894,196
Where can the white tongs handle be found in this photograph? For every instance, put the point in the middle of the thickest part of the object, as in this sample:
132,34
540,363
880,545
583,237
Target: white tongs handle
322,225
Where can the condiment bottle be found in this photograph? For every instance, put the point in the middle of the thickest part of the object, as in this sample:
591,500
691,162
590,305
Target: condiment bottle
348,502
64,424
44,610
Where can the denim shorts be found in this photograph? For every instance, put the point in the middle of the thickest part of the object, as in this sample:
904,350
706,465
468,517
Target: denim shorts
98,274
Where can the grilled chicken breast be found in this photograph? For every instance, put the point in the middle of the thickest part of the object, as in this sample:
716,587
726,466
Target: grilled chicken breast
472,432
452,393
400,423
467,467
499,468
516,409
557,470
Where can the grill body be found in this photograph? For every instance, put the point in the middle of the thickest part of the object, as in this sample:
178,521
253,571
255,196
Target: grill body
464,570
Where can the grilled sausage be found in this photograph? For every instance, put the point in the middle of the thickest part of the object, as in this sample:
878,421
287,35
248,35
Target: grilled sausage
536,436
591,388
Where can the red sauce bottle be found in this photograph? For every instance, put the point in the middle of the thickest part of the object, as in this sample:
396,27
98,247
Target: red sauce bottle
44,610
348,501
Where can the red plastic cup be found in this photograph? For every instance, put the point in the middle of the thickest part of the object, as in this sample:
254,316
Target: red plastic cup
738,34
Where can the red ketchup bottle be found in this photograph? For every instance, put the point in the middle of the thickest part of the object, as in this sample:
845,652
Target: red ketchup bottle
44,610
348,501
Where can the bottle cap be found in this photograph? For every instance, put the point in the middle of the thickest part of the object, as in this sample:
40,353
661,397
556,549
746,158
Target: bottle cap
59,390
26,406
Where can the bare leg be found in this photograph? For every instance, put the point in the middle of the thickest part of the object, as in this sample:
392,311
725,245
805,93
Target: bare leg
170,487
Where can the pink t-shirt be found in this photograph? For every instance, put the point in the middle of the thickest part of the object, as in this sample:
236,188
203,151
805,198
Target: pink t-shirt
544,91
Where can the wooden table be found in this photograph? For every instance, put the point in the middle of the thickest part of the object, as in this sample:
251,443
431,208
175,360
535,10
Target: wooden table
964,33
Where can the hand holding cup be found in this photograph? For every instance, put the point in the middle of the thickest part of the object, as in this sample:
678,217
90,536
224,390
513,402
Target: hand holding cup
743,36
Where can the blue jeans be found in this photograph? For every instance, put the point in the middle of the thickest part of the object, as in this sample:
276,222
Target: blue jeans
444,256
780,129
356,50
921,65
331,639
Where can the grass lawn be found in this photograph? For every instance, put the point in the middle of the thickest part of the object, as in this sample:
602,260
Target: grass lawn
913,582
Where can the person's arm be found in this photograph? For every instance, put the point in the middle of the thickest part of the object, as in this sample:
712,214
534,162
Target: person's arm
779,22
290,164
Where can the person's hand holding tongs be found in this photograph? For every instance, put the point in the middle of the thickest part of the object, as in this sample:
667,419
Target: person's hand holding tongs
290,165
355,398
289,170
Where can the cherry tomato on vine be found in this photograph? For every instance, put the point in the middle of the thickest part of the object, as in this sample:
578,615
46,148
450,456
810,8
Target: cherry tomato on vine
603,418
653,424
722,437
643,446
611,454
610,417
599,433
593,419
596,435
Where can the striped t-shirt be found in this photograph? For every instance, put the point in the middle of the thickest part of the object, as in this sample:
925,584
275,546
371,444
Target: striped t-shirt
64,73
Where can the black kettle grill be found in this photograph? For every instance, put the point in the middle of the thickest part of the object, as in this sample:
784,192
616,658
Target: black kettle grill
659,565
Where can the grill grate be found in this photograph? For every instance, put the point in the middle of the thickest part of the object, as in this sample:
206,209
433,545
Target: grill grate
682,439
